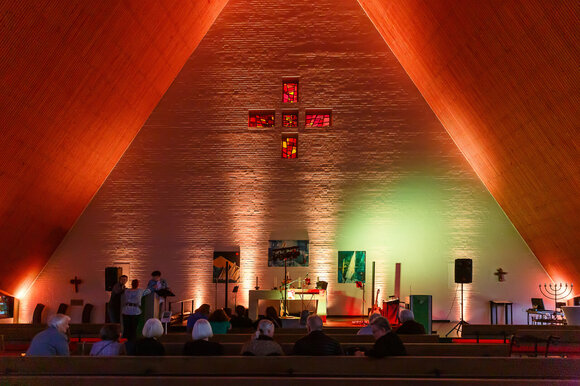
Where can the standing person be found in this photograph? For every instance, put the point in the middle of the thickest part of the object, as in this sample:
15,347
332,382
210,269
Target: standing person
316,342
109,344
115,300
387,343
202,331
53,340
410,325
156,283
263,344
132,310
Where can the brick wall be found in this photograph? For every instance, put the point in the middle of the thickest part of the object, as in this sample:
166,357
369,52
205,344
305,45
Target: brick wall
385,178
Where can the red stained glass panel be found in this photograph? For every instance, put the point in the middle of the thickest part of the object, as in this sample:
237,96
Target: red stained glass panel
289,119
290,92
261,119
289,147
318,119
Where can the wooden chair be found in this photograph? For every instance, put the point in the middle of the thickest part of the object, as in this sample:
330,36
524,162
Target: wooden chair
37,315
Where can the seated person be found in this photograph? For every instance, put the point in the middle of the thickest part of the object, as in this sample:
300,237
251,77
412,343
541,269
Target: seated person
149,345
409,326
109,344
220,323
366,330
387,343
271,315
316,342
53,340
263,344
240,319
201,313
202,331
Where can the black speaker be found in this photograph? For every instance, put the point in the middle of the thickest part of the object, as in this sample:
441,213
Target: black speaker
112,275
463,270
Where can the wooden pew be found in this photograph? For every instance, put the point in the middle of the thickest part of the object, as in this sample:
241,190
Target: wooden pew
291,338
504,331
413,349
553,341
25,332
321,367
167,380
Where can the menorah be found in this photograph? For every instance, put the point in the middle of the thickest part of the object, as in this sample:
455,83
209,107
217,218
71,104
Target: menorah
556,291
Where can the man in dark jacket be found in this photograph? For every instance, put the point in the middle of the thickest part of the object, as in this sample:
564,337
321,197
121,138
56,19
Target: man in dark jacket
316,342
409,326
387,342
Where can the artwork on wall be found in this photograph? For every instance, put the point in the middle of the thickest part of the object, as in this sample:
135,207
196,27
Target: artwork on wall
351,266
295,251
219,267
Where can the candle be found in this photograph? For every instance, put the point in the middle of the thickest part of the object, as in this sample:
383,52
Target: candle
256,281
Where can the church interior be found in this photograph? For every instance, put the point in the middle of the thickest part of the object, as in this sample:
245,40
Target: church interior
350,154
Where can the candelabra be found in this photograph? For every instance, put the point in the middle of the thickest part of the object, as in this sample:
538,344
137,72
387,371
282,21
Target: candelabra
556,291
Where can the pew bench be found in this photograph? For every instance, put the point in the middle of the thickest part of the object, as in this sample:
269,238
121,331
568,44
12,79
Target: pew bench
413,349
169,380
291,338
320,367
553,341
486,331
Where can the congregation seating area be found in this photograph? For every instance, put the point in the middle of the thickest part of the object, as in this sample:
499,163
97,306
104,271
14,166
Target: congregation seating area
292,370
429,361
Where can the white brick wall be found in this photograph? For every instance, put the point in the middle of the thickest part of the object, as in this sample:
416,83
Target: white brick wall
385,178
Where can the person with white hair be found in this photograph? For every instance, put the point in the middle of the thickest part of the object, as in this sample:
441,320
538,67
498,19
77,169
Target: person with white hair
53,340
149,345
409,326
316,343
201,345
263,344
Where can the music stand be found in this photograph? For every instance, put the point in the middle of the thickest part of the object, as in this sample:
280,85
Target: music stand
235,290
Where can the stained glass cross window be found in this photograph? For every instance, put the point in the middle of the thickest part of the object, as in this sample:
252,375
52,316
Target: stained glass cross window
290,119
318,118
261,119
290,91
289,146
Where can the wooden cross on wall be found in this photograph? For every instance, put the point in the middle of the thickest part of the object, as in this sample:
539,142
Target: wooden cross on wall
500,274
76,281
290,118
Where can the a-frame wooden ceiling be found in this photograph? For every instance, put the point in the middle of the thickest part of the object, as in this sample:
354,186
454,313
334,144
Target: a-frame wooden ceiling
78,79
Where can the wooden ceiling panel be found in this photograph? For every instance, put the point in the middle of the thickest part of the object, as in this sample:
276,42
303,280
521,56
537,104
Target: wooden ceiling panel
503,79
78,79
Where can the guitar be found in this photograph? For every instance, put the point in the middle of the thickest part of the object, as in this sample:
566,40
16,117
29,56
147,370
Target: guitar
376,308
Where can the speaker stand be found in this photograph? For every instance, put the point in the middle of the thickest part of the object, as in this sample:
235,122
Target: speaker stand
459,326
